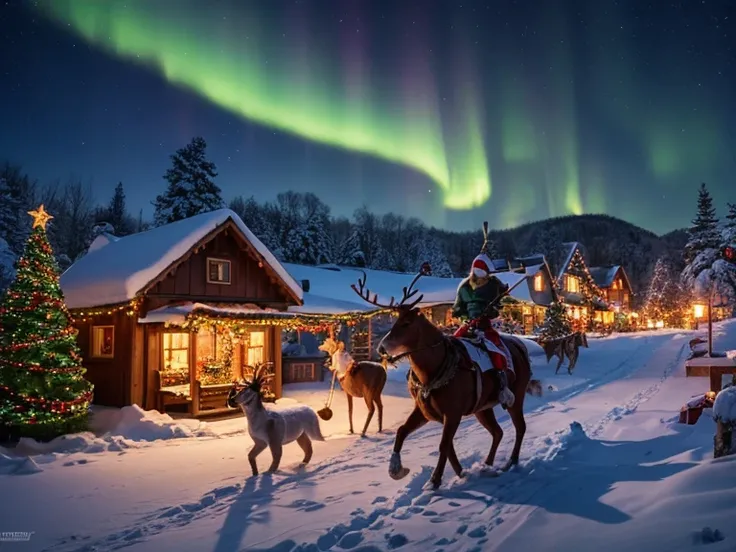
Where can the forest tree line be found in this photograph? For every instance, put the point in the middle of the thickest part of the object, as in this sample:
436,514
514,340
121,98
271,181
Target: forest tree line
300,227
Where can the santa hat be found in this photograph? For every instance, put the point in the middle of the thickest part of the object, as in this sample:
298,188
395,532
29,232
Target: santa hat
481,266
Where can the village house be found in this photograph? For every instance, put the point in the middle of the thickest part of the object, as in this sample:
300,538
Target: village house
614,283
571,279
168,318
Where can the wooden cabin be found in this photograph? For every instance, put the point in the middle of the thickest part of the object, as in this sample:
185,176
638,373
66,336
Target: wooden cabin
170,317
570,280
615,285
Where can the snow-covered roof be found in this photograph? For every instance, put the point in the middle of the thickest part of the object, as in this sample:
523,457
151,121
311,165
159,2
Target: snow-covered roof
329,287
121,269
603,275
177,314
572,247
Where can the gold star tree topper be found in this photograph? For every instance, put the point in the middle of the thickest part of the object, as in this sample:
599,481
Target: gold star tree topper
40,217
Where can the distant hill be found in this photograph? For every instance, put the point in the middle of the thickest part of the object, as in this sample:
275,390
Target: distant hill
608,240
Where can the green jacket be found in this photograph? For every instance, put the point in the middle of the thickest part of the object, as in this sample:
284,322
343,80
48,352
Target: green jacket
470,303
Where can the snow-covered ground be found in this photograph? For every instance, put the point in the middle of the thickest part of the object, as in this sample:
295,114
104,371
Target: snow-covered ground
604,466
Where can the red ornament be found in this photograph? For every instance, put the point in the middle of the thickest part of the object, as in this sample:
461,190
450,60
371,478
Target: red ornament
729,253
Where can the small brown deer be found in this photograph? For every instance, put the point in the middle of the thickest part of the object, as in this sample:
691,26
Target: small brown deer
364,379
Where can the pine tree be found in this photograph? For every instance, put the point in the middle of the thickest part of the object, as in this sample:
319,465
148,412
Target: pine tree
556,323
117,215
658,303
7,265
43,392
704,230
191,189
347,252
731,216
16,197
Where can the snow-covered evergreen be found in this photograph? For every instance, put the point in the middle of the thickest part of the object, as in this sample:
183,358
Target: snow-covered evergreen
706,272
7,265
556,323
731,216
191,189
17,193
347,252
704,232
255,217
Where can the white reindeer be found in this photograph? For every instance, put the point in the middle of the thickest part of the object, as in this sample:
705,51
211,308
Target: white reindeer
272,428
364,379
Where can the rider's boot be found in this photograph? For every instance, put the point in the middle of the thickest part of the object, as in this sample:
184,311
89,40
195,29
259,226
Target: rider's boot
505,395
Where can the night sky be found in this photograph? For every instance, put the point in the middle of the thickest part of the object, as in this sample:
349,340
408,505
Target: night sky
453,111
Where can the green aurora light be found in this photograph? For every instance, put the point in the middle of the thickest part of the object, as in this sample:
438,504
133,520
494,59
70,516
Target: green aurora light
231,68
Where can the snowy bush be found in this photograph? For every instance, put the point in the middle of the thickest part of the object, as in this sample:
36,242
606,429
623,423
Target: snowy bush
724,407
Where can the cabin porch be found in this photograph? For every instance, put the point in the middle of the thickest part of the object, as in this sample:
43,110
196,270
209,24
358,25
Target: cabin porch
193,358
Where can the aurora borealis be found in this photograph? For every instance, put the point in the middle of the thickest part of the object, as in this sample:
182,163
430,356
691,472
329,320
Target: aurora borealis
506,110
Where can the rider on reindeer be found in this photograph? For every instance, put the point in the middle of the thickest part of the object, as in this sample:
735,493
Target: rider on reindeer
476,304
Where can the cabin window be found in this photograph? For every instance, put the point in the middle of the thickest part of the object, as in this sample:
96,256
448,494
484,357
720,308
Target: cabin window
218,271
256,346
538,282
626,299
176,359
103,341
572,284
614,286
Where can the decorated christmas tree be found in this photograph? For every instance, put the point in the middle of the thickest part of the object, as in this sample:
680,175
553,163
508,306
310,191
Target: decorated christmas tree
556,322
43,392
657,305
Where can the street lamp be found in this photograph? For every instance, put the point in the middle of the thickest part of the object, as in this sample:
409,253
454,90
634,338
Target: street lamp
698,311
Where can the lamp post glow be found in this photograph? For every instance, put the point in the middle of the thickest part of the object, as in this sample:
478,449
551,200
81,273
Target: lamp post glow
698,311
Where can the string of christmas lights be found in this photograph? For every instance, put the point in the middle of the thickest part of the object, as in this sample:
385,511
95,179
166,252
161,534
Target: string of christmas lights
43,392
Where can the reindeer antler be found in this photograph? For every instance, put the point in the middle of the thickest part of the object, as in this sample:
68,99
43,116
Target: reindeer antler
408,291
365,294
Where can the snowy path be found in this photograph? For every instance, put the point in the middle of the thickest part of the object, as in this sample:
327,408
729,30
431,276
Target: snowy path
574,467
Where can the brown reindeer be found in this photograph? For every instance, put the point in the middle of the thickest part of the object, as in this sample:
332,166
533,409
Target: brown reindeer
568,346
447,385
363,379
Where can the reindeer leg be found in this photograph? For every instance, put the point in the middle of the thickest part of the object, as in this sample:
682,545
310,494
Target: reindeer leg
379,404
487,419
258,447
306,445
371,410
350,410
274,443
449,429
415,420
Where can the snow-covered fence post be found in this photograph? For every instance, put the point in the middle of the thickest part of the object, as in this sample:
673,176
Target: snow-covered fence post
724,413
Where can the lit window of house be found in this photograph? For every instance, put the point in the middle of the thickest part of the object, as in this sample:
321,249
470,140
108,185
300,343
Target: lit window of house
626,299
572,284
256,345
218,271
175,369
614,285
538,282
103,341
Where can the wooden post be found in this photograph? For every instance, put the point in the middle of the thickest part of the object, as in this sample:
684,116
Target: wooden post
710,325
370,339
723,442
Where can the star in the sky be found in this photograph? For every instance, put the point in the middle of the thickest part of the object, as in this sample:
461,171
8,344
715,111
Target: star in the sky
40,217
